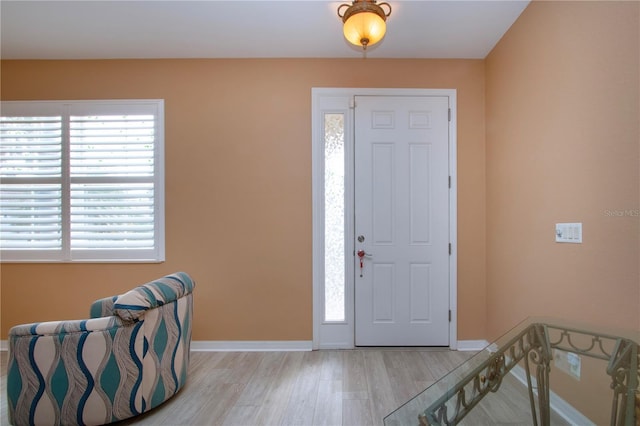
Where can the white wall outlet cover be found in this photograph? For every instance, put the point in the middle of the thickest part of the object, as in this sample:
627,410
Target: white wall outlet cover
569,233
568,362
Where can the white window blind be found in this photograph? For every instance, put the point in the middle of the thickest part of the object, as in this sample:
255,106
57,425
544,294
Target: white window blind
82,181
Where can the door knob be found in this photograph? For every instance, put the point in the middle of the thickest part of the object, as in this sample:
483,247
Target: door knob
362,253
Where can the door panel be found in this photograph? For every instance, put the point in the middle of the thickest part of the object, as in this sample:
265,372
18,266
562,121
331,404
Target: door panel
402,211
383,172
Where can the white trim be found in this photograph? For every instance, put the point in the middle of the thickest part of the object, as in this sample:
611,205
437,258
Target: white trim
234,346
284,345
281,345
453,219
341,335
251,346
331,335
557,404
472,345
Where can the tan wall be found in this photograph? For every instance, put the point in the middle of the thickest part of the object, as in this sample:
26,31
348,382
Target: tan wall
563,146
238,186
563,136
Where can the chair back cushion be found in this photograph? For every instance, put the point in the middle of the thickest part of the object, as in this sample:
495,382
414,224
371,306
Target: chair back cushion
134,303
166,308
102,307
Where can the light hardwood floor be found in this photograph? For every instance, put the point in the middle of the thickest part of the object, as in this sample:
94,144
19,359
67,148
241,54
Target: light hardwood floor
330,387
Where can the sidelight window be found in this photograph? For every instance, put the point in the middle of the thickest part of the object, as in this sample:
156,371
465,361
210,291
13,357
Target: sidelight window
334,226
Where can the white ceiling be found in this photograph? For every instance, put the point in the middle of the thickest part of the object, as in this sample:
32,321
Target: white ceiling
54,29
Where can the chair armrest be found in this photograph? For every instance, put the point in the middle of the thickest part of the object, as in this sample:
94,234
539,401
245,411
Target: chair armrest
62,371
55,328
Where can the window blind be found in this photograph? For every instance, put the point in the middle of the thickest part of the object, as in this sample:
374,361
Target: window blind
86,184
31,182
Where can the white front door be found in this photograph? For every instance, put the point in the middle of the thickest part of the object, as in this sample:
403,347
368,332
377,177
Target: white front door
402,220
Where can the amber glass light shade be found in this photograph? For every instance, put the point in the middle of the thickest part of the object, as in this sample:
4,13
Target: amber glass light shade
364,29
364,21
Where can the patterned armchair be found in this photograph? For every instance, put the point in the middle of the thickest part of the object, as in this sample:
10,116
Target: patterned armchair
131,356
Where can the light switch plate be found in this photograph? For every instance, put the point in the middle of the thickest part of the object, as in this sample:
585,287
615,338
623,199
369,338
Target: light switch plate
569,233
568,362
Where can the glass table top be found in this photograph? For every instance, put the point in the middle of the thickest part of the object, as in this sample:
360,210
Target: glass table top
543,372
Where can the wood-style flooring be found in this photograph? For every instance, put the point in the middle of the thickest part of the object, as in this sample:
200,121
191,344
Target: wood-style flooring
329,387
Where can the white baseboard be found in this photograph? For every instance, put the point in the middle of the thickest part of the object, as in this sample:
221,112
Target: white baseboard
472,345
250,346
277,345
558,405
235,346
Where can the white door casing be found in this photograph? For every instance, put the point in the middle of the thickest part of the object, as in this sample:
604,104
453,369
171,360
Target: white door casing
326,334
402,217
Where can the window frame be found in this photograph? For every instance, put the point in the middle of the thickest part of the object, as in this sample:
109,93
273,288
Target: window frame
65,109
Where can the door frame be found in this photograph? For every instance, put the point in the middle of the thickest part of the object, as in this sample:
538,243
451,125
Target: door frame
341,335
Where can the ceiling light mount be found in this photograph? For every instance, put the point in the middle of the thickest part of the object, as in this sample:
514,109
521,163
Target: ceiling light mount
364,21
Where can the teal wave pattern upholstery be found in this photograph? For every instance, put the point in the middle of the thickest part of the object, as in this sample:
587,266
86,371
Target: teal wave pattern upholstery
129,357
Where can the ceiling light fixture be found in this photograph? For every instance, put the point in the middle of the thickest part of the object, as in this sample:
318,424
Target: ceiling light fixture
364,22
